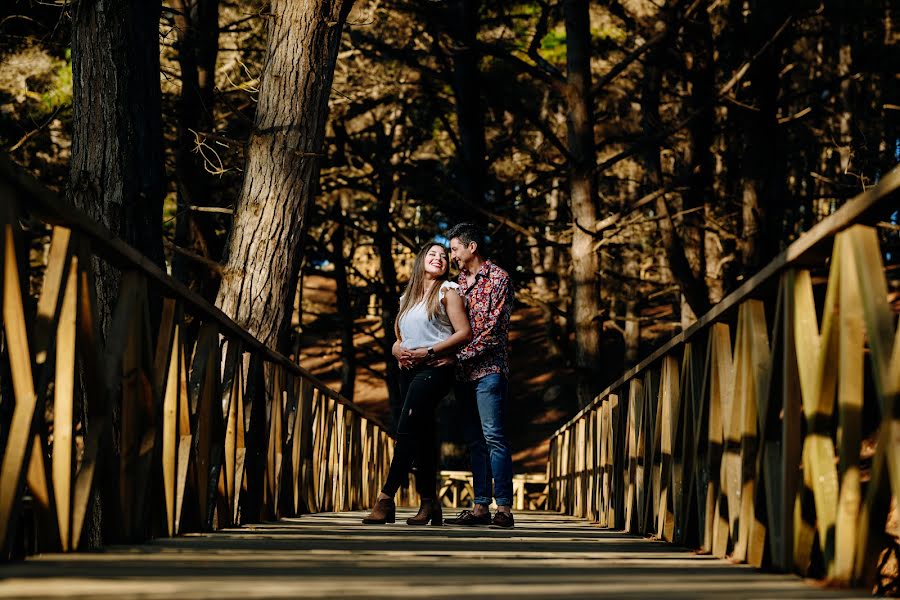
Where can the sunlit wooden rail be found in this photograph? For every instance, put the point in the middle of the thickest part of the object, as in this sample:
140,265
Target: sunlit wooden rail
212,428
768,431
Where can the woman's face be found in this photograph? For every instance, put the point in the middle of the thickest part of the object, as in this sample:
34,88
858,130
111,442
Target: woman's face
436,261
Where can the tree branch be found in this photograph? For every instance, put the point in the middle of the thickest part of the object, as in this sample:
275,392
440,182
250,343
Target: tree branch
640,51
540,32
214,267
661,135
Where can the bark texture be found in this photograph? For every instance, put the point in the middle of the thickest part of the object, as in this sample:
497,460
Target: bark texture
282,165
585,265
116,174
116,171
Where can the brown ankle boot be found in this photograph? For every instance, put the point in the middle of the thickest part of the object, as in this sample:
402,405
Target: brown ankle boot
429,510
383,512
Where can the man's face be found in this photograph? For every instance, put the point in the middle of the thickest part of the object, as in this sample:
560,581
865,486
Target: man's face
461,253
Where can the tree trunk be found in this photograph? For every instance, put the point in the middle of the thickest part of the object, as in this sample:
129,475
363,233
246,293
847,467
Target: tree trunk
116,171
344,306
632,334
632,287
556,259
469,110
544,297
543,259
763,185
197,24
698,201
692,287
633,291
585,265
263,248
389,293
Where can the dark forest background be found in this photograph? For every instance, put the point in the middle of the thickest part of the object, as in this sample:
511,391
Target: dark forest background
632,160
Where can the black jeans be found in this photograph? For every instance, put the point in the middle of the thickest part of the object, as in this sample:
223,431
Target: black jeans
421,389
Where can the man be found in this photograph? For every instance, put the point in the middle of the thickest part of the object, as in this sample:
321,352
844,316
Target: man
482,374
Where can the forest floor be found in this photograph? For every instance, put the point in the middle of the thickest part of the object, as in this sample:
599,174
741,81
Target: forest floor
542,394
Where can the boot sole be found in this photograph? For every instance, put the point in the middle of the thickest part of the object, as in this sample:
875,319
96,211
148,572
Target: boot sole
378,521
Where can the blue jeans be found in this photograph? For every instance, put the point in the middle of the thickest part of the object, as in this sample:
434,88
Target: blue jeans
484,404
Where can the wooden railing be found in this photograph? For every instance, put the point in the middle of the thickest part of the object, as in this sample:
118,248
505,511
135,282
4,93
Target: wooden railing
179,422
761,433
456,489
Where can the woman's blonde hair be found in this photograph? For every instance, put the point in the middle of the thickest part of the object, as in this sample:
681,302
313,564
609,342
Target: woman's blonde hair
415,289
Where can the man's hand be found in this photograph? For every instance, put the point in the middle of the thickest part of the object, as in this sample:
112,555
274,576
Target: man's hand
442,361
411,358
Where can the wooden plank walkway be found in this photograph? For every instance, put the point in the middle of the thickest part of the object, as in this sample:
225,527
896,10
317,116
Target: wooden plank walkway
332,555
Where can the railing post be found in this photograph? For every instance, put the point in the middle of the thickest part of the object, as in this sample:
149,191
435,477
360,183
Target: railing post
720,441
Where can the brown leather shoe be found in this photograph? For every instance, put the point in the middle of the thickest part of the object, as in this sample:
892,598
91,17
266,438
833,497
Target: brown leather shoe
429,511
503,519
469,519
383,512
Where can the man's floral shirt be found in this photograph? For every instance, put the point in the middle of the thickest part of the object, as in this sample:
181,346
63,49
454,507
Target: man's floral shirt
489,302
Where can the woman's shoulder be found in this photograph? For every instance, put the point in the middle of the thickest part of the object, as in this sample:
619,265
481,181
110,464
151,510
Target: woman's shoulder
449,285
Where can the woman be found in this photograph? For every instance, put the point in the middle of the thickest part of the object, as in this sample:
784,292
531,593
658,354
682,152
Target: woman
430,326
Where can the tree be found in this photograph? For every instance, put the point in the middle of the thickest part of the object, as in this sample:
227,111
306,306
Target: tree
710,136
463,21
197,27
763,177
263,248
585,265
117,173
344,302
692,285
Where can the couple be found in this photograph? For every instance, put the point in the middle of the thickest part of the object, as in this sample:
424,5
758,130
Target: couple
448,331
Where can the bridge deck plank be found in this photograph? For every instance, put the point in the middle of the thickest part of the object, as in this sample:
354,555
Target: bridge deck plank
331,555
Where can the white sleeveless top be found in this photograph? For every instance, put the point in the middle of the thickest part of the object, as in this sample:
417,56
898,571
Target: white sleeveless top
418,331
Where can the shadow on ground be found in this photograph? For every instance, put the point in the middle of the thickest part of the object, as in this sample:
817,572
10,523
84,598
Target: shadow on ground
333,555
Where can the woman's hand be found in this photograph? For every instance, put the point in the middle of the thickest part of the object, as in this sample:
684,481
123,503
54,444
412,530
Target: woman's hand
412,358
403,356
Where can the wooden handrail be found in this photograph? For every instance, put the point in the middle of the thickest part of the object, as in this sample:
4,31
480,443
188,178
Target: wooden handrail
48,206
180,424
766,431
861,209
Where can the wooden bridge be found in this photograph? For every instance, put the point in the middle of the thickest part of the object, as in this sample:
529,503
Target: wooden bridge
234,472
329,555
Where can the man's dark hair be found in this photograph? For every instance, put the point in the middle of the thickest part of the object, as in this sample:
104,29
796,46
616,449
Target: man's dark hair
468,233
